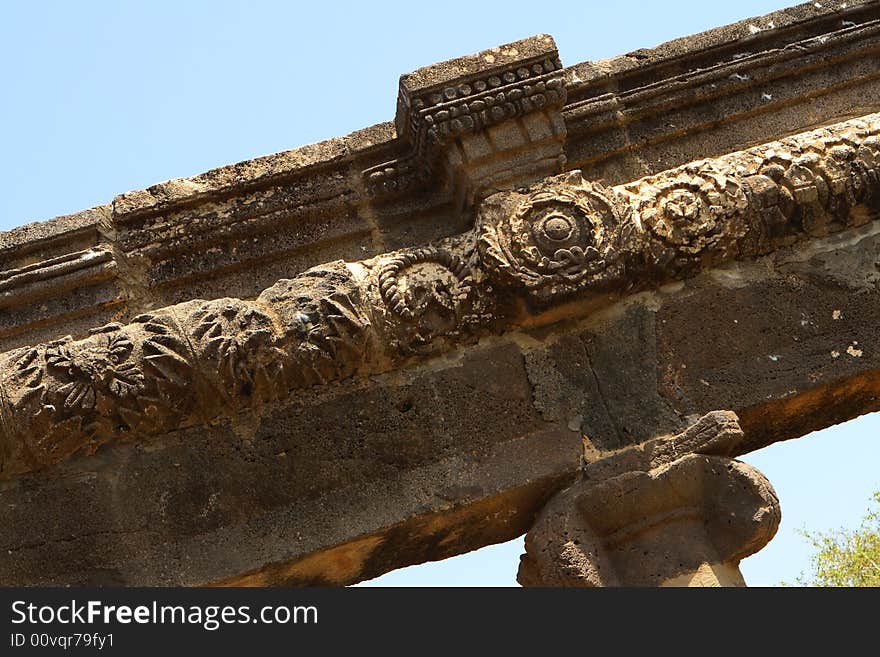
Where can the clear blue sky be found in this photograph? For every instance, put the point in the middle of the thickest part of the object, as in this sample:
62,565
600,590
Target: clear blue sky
103,97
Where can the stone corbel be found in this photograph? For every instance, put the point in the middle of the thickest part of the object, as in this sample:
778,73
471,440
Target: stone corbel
483,122
671,512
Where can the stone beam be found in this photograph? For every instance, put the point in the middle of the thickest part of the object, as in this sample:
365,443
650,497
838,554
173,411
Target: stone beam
533,250
400,345
368,415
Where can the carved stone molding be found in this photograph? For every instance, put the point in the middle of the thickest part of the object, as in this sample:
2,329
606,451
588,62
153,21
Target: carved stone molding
412,300
674,511
234,230
567,234
179,366
201,360
451,117
426,294
558,239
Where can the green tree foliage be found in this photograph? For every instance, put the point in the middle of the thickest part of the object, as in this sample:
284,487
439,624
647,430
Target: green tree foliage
846,557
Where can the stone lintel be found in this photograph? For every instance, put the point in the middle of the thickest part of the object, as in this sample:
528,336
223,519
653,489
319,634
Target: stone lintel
177,385
360,404
532,250
262,494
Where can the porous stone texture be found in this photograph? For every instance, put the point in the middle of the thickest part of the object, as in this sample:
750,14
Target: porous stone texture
563,239
235,230
397,346
669,512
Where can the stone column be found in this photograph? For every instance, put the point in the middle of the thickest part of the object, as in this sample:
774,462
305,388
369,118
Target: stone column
672,512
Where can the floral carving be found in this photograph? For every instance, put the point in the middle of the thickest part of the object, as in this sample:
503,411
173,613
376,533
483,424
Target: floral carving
818,183
27,372
166,355
68,396
201,360
557,240
173,390
325,331
96,369
336,339
238,343
694,210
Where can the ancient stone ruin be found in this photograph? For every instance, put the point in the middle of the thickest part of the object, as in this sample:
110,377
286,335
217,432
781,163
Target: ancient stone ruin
545,299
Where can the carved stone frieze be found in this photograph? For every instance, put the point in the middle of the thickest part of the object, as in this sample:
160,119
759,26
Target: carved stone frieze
437,116
558,239
569,234
698,209
200,360
179,366
427,293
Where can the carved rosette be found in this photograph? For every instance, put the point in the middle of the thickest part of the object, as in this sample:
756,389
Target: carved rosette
560,239
696,209
96,370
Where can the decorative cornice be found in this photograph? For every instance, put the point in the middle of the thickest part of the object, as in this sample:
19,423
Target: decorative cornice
198,361
469,104
232,230
72,269
54,268
441,103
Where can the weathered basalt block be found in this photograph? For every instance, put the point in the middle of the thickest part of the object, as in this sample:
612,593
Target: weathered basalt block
485,119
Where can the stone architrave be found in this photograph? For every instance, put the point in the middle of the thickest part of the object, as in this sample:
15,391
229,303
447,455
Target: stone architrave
561,239
398,345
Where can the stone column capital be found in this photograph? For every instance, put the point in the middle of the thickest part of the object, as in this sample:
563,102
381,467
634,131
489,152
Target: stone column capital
654,516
